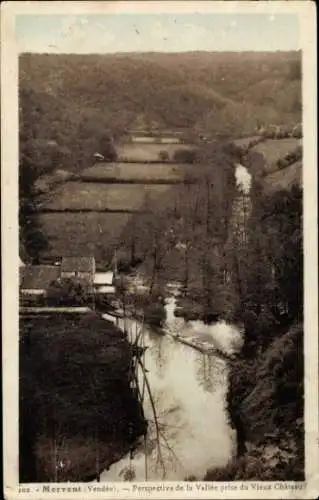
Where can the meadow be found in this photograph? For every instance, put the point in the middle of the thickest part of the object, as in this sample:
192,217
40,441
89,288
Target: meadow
138,151
138,172
91,196
98,233
83,234
284,178
274,149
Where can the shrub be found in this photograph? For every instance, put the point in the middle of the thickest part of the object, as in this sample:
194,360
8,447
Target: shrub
163,155
186,155
68,292
155,314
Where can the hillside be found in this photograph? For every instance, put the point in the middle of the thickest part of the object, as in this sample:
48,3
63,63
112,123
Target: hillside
187,82
75,99
276,162
285,178
267,393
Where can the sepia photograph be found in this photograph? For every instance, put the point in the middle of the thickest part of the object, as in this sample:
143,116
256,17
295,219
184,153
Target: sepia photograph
160,175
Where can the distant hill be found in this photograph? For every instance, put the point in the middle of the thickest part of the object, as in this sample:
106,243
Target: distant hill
73,99
166,89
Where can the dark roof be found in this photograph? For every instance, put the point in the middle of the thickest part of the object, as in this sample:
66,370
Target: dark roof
38,277
79,264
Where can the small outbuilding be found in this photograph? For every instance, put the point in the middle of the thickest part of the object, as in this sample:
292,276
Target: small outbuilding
35,280
104,282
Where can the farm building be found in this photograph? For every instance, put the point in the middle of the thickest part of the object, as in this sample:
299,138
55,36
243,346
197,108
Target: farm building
143,139
155,139
103,278
170,140
104,282
35,280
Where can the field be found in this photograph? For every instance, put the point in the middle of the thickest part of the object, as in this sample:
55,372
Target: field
149,152
284,178
91,196
83,234
274,149
141,172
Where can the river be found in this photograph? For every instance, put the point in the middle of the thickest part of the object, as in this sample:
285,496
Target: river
188,389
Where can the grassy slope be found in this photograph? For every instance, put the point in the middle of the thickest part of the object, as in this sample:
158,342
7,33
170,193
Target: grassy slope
81,195
284,178
135,171
274,149
149,152
264,157
276,178
94,233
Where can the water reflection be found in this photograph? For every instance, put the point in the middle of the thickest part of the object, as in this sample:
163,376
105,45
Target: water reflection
159,356
211,372
189,431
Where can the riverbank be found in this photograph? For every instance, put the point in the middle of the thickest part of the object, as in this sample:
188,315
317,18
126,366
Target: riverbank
186,386
78,413
265,396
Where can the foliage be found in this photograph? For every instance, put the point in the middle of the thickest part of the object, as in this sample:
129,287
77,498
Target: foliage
32,241
155,314
265,395
69,292
107,148
264,463
163,155
186,156
184,232
75,100
269,270
290,158
74,382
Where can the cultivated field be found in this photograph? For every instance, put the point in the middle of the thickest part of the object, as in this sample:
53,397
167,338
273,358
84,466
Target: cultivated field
139,172
147,152
83,234
91,196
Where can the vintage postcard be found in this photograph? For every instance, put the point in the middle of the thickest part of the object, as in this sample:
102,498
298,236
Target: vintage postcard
159,187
